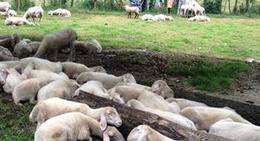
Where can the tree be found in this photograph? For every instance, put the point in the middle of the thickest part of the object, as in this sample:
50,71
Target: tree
235,7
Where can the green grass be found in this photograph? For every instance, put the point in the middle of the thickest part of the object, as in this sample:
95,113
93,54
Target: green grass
235,38
15,125
214,77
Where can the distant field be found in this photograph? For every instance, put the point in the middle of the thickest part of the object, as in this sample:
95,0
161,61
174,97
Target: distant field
228,37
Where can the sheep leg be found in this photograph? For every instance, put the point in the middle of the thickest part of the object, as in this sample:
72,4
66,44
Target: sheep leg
72,52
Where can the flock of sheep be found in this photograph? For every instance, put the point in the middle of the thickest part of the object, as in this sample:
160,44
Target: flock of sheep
35,12
190,8
51,86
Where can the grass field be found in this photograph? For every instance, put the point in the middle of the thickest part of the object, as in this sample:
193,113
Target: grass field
228,37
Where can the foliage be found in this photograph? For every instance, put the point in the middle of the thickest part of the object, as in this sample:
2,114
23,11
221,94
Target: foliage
210,76
213,6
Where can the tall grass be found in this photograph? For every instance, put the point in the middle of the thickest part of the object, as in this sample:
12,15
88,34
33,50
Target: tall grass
235,38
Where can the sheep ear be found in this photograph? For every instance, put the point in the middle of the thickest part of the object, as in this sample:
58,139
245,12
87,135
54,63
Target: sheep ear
105,137
103,122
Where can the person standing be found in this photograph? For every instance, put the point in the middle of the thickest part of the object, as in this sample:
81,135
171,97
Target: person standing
169,6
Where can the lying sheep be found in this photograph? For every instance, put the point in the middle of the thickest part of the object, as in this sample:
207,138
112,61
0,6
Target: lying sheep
93,87
13,78
161,88
108,80
27,89
4,6
9,41
60,12
199,18
61,88
147,17
7,58
55,106
12,13
183,103
47,74
34,12
22,49
72,69
5,51
236,131
146,133
114,134
17,21
132,9
34,46
56,41
124,93
71,126
204,117
90,47
176,118
43,64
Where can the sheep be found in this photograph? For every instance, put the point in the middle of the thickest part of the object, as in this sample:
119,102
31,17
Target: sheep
71,126
90,47
176,118
55,106
132,9
27,89
12,13
34,12
183,103
146,133
7,58
13,78
4,6
229,129
47,74
204,117
34,46
114,134
5,51
72,69
22,49
147,17
43,64
17,21
199,18
108,80
53,42
9,41
93,87
59,88
60,12
161,17
124,93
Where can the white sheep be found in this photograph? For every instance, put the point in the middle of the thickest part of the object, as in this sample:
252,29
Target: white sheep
146,133
123,94
13,78
4,6
114,134
61,88
43,64
108,80
27,89
71,126
55,106
12,13
47,74
204,117
236,131
22,49
34,12
132,9
199,18
60,12
17,21
183,103
147,17
72,69
176,118
93,87
90,47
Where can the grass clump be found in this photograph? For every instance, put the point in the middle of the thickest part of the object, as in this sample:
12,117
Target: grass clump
210,76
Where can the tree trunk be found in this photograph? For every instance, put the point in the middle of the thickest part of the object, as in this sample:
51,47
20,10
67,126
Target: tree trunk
229,7
71,3
235,7
61,3
250,8
18,5
132,118
225,5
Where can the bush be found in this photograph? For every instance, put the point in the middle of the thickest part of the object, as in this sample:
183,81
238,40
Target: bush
212,6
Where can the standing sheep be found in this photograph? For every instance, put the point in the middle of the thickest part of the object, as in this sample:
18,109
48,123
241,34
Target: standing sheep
56,106
34,12
59,40
132,9
4,6
71,126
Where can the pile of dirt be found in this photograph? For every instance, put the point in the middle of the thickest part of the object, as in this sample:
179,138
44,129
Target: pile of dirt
148,66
